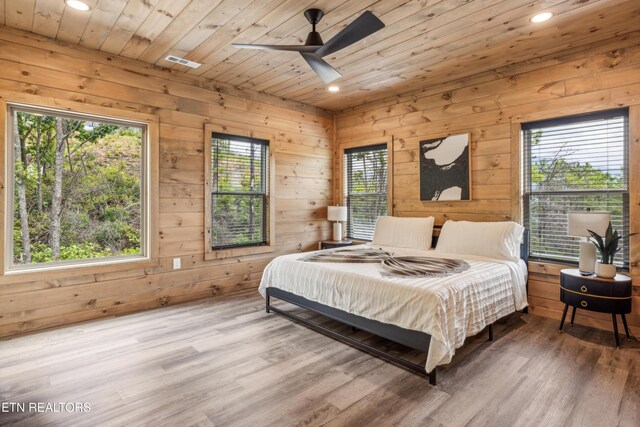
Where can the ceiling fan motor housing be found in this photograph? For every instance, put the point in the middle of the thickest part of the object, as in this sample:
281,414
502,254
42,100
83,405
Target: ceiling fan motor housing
313,16
314,39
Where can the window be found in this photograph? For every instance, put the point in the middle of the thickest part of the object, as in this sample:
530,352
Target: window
365,189
575,164
239,197
78,188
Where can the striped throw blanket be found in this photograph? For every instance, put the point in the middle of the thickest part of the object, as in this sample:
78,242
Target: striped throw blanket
409,266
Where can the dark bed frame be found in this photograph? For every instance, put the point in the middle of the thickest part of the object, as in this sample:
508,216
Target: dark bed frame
413,339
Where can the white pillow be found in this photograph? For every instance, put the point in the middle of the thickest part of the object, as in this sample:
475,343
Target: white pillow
490,239
411,233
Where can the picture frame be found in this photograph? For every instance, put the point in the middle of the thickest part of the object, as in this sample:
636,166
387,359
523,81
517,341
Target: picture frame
445,168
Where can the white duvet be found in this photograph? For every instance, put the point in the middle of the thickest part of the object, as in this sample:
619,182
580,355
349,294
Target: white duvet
448,308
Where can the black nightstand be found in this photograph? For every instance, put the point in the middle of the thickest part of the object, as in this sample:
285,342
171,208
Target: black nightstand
596,294
330,244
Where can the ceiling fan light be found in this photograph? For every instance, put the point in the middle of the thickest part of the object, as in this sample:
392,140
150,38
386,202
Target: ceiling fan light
78,5
541,17
333,89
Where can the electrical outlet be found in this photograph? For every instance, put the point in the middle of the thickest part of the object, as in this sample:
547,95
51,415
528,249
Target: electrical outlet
176,263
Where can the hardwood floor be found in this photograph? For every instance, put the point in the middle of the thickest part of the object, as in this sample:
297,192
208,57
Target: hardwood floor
227,362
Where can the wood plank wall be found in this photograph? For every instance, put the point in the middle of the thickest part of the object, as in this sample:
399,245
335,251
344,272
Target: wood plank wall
490,106
301,138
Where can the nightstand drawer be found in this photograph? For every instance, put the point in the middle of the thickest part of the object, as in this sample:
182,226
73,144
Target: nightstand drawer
597,287
593,303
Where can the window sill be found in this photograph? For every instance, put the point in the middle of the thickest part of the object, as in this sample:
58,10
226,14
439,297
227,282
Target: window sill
238,252
553,267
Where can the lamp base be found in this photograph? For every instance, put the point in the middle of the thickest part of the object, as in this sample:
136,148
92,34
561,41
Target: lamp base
587,261
337,231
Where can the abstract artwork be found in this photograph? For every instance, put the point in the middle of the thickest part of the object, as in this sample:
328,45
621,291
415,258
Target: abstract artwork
445,172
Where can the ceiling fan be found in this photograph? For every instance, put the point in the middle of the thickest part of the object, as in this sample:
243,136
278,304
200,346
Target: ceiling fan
314,49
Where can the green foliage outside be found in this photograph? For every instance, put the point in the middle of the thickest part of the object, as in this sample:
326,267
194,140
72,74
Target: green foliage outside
97,211
239,172
366,192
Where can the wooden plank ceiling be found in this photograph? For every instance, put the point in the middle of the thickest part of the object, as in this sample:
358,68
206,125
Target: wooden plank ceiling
424,42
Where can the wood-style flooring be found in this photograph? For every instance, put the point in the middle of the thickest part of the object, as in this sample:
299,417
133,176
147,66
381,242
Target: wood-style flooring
227,362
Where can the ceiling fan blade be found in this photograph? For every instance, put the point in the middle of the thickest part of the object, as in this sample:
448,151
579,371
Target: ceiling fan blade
293,48
326,72
365,25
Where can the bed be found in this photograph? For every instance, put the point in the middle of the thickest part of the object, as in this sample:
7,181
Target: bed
429,314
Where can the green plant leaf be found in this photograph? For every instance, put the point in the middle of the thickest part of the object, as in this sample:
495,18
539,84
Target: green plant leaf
599,244
611,248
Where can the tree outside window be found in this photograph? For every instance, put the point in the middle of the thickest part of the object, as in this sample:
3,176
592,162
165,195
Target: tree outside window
366,171
77,187
239,182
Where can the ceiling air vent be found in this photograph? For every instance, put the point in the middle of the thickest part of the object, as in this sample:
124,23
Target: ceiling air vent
182,61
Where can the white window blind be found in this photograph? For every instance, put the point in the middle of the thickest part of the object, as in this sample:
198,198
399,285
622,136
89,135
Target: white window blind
365,189
239,185
575,164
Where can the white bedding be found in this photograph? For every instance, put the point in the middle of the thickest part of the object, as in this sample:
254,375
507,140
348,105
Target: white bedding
448,308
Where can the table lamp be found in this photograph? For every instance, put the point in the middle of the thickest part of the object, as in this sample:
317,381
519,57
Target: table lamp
578,224
339,215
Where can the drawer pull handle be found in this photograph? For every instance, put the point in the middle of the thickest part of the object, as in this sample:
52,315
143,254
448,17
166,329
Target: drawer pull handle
583,288
583,303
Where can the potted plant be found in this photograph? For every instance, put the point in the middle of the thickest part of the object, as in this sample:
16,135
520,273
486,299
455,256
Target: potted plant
608,248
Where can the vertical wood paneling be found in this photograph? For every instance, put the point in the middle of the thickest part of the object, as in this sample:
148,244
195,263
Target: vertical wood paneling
301,139
491,107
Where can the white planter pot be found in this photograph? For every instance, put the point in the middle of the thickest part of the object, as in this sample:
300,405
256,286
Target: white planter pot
607,271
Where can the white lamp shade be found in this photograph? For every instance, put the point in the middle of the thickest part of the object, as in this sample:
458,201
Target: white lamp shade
580,222
337,213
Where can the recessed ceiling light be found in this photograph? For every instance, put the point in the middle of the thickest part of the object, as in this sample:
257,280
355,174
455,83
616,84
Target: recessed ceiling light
541,17
333,89
78,5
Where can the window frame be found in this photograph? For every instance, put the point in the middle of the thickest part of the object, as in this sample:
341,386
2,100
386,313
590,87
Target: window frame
262,194
210,252
149,185
525,173
344,175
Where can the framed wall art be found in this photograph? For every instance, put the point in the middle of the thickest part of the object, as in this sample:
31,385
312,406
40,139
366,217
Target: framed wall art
445,168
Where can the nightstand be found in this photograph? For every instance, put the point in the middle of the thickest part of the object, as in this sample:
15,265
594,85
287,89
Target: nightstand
596,294
330,244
